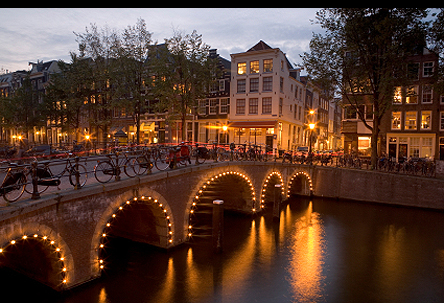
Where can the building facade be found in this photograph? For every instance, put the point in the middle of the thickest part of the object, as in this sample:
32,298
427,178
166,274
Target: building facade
414,125
267,99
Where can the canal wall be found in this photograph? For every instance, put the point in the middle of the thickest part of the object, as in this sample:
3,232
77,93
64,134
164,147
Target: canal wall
378,187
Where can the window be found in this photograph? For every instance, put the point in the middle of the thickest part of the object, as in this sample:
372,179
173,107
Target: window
396,120
412,94
427,93
267,85
281,103
368,112
242,68
254,85
253,106
414,147
425,119
397,96
240,107
268,65
428,69
413,71
224,106
281,85
441,121
426,148
410,120
241,86
214,104
221,85
266,105
254,67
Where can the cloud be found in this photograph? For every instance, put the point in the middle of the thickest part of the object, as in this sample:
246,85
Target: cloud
47,33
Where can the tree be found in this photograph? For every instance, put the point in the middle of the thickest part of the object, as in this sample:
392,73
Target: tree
132,73
66,94
183,73
100,49
362,55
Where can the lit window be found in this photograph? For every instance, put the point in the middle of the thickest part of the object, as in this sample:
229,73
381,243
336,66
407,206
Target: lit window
397,96
396,120
410,120
412,95
254,67
425,119
242,68
268,65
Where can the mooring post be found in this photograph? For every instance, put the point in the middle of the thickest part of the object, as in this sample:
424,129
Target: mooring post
277,201
218,225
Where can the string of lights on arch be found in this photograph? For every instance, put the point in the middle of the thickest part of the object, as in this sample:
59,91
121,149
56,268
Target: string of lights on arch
310,182
47,242
264,188
121,208
213,179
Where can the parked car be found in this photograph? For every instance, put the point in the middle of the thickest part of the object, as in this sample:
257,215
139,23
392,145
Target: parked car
43,151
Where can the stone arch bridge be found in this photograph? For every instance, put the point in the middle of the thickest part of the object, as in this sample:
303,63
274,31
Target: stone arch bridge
59,239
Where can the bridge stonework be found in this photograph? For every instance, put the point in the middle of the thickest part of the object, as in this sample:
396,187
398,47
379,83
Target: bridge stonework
69,229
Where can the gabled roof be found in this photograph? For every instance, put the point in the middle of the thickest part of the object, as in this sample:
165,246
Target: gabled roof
261,45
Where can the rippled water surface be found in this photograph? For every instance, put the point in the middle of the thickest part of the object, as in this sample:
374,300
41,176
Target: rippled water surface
319,251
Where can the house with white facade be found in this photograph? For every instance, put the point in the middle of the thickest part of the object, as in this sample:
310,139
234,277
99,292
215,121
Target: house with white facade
267,99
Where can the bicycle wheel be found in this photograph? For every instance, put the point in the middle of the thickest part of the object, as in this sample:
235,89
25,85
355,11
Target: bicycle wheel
162,160
42,173
13,187
104,171
200,156
129,167
140,165
83,176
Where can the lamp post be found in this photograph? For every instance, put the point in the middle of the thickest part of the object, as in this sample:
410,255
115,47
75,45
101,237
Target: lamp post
311,125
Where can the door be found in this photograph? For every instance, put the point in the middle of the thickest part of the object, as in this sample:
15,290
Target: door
402,153
392,151
269,143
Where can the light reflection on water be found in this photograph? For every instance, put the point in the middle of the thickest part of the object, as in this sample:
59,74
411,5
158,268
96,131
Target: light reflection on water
319,251
306,258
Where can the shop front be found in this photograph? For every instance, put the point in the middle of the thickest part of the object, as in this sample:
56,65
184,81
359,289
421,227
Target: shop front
404,146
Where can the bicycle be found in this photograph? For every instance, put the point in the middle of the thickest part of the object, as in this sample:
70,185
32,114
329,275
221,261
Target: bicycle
14,183
106,169
142,162
180,154
46,178
200,152
161,156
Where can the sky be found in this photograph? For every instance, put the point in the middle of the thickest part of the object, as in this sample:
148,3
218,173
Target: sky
31,34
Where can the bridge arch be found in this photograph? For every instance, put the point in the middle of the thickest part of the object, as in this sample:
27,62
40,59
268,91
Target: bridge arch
234,187
139,217
300,183
40,253
268,187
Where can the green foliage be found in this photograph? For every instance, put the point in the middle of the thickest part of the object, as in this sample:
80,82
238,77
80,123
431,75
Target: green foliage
362,54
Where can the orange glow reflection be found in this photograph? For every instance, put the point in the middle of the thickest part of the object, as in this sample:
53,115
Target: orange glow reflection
307,260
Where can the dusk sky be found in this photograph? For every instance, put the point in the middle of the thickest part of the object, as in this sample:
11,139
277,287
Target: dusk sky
31,34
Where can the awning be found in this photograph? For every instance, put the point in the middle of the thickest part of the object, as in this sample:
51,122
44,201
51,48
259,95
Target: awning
253,124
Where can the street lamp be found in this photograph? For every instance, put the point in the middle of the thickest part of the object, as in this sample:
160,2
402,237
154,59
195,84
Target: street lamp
310,156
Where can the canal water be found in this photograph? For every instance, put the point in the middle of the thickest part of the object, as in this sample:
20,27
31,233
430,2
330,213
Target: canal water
319,251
